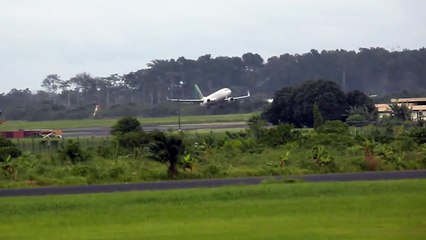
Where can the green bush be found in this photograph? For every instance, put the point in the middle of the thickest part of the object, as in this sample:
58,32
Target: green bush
335,126
340,141
210,140
256,126
250,145
331,133
232,147
211,171
72,151
356,118
418,134
7,148
279,135
133,140
107,149
126,125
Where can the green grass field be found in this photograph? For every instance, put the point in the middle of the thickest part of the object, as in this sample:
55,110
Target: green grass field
14,125
342,210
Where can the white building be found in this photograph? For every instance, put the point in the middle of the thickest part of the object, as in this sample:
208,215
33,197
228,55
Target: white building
417,106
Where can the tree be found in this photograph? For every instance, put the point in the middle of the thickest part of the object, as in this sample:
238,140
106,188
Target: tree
252,61
65,87
85,83
167,149
52,83
357,98
107,84
281,109
401,111
295,105
328,96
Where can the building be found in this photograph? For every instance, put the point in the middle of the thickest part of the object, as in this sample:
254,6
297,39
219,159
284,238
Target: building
417,106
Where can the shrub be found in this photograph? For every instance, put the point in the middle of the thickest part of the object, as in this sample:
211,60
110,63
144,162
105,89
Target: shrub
125,125
371,162
320,156
232,147
187,162
256,126
340,141
7,148
356,118
250,145
108,149
280,135
133,140
335,126
210,140
418,134
403,143
211,171
73,152
236,135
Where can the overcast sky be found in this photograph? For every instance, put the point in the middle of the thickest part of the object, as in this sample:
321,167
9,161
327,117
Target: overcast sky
103,37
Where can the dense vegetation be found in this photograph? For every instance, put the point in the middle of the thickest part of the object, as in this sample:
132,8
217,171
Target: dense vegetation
135,155
324,100
144,91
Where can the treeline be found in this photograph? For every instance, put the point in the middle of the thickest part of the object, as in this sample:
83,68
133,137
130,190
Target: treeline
375,71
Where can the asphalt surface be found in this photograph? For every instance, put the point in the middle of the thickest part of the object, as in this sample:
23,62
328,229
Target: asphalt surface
149,186
105,131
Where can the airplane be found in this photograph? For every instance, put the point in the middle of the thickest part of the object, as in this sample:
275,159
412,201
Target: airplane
220,96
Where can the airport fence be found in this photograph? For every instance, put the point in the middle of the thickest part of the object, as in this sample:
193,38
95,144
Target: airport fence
41,145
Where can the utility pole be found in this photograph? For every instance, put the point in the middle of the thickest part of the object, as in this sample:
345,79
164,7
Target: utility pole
179,93
179,114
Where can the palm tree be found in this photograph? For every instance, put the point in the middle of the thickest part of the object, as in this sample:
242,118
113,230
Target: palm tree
401,111
166,149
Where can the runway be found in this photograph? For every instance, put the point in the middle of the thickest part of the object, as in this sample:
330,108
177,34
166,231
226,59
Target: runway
105,131
165,185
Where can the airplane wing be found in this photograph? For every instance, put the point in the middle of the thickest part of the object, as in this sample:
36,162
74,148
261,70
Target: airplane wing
241,97
185,100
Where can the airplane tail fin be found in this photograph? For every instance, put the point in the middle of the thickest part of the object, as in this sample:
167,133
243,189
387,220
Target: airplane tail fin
199,93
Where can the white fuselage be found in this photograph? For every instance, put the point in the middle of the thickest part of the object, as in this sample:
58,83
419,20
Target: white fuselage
219,96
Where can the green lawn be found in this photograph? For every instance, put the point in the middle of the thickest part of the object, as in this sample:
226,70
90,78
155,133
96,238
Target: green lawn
343,210
14,125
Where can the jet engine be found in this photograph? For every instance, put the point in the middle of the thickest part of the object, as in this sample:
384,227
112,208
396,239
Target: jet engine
205,102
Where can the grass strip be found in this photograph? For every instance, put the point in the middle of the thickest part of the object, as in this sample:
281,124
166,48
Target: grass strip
340,210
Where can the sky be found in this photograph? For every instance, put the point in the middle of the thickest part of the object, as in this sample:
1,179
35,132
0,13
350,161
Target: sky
104,37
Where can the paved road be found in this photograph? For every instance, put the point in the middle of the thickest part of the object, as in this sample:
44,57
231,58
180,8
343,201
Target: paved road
104,131
415,174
